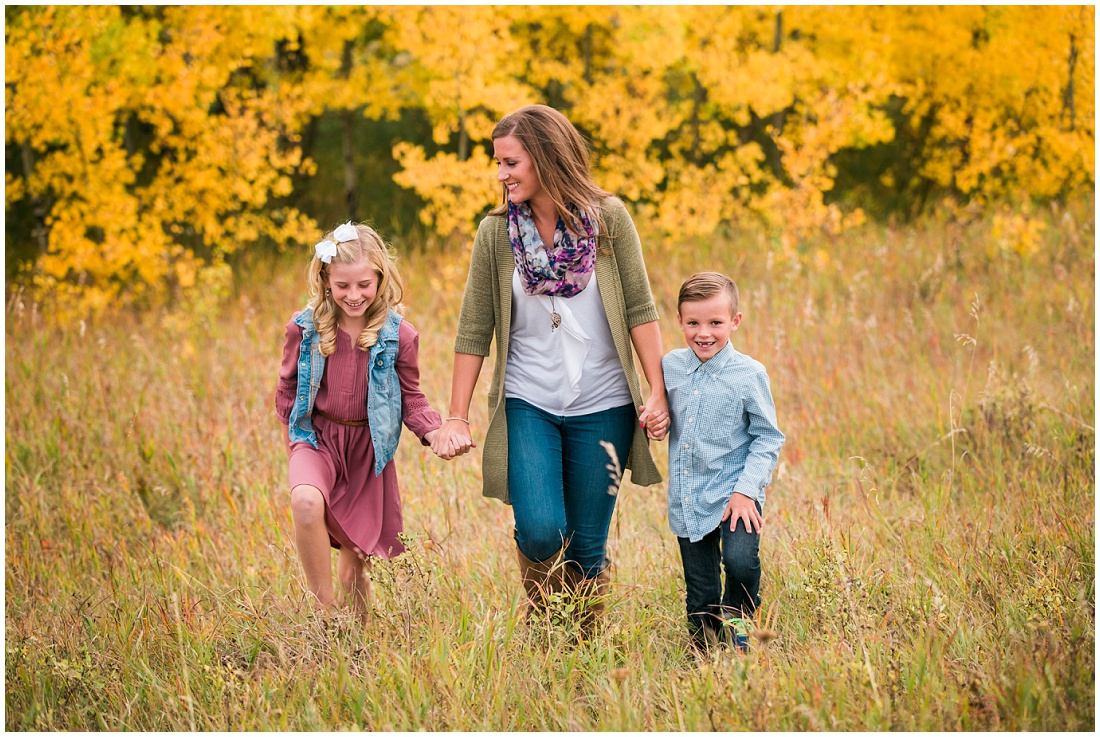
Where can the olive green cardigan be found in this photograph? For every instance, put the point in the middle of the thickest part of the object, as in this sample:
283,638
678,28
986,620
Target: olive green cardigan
487,310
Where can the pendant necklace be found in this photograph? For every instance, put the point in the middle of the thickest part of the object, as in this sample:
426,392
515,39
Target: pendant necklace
555,318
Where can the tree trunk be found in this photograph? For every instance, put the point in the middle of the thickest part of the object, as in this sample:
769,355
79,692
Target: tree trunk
777,116
348,120
39,203
587,54
351,174
698,97
1068,108
463,136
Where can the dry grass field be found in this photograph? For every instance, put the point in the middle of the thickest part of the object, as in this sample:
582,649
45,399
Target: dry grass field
928,545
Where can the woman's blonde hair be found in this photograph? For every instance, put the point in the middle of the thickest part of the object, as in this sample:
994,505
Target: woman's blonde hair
370,248
560,156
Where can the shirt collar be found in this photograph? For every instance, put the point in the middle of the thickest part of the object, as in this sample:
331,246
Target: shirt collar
718,361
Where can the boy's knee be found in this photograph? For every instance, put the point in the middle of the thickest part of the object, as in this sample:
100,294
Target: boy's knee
742,569
307,504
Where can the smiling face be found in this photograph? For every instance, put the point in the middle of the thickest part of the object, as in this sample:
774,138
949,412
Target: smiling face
707,324
516,170
354,287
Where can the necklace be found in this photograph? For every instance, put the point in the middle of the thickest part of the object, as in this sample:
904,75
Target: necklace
555,318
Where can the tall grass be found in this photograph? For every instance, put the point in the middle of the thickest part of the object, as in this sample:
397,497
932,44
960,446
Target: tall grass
928,548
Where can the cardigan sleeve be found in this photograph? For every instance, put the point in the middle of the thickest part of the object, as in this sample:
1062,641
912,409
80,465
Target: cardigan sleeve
477,317
627,246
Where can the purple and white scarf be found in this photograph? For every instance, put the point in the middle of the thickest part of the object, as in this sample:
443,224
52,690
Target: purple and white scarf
562,269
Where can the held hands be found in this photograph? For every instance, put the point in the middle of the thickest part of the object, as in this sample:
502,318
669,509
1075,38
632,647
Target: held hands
653,416
452,439
742,507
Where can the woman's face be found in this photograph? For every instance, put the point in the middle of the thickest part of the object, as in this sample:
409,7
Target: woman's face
516,170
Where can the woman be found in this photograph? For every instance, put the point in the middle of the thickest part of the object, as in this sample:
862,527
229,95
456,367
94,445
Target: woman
557,276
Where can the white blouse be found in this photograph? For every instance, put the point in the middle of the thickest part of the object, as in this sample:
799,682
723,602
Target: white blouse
568,371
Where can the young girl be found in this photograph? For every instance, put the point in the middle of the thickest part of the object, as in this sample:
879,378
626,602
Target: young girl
348,379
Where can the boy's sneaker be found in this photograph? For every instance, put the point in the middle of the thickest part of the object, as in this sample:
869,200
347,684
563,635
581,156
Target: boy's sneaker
738,633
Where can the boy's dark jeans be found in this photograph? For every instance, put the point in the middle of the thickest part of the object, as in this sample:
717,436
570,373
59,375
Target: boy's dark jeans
708,602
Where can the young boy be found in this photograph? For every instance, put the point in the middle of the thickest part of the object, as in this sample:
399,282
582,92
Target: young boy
722,450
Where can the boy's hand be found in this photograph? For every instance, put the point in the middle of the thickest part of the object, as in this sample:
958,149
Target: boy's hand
653,416
742,507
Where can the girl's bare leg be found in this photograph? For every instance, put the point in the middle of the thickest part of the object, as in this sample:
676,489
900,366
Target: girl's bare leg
307,507
352,572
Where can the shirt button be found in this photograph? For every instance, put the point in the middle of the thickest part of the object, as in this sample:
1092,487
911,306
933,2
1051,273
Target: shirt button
696,392
301,399
686,445
379,362
691,419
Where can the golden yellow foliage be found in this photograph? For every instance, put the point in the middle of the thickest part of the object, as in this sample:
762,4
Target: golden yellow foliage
456,191
137,224
155,141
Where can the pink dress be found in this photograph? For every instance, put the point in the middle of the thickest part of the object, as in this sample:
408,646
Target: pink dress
361,510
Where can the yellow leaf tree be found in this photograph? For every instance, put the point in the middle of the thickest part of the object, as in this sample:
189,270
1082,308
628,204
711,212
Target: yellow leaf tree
466,61
152,145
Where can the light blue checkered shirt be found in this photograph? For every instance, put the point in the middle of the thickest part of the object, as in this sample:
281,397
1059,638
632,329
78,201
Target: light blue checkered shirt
723,437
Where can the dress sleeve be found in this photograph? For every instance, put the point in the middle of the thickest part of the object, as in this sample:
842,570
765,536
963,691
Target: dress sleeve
288,373
416,411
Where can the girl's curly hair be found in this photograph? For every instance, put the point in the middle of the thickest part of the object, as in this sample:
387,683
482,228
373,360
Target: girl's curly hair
374,251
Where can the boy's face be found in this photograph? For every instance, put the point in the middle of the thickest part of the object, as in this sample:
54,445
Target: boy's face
707,324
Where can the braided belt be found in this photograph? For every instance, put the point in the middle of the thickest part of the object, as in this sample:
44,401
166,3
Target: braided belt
346,423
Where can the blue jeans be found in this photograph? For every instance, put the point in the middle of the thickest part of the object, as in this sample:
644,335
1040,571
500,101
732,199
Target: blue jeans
558,481
708,601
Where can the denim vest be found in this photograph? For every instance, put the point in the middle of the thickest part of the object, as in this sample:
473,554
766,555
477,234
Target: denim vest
383,390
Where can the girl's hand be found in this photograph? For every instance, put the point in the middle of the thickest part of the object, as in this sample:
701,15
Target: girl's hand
653,416
744,508
430,436
453,439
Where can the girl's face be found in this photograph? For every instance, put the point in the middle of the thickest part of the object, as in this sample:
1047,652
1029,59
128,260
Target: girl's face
354,287
515,170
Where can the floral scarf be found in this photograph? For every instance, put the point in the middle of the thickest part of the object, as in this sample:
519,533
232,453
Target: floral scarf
562,270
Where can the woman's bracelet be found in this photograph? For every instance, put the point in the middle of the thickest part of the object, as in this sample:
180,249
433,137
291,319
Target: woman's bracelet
460,419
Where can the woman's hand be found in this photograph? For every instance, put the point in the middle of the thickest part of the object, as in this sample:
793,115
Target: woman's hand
453,439
653,416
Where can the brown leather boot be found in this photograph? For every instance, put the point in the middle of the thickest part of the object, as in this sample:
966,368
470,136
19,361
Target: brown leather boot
591,594
541,580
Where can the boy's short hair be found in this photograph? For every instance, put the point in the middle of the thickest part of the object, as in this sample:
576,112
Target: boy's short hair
705,285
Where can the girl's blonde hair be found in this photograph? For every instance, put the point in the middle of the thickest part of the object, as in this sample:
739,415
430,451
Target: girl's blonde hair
560,156
373,250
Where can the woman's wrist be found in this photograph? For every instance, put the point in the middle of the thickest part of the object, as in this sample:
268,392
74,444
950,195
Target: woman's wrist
459,419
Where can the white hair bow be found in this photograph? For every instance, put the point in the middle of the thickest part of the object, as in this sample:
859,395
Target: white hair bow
326,249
